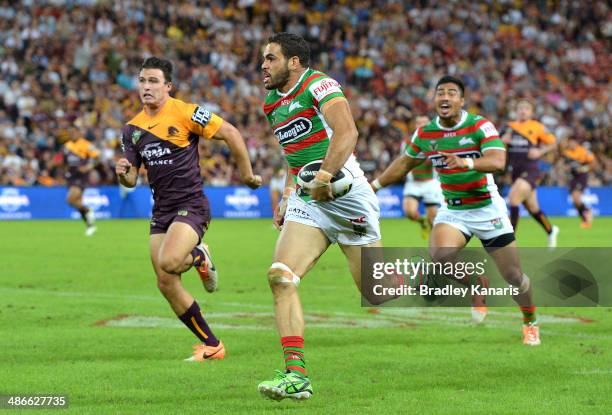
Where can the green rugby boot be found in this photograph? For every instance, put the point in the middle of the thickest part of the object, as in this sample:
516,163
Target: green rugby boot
286,385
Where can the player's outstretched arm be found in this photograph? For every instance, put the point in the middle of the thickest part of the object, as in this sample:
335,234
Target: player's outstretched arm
492,161
230,134
126,173
396,171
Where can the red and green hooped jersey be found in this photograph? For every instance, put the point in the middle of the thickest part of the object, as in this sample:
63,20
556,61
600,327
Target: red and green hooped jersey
471,137
298,123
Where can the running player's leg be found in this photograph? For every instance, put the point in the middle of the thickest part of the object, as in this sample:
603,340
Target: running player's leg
519,192
411,208
444,244
577,200
432,199
431,210
75,199
353,257
298,248
168,253
169,283
197,217
411,211
504,251
533,207
583,211
446,241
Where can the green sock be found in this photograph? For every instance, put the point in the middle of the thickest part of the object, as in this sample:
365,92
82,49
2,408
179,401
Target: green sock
529,315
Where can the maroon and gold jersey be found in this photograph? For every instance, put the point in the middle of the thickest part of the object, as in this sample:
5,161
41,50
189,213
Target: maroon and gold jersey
526,135
77,154
578,159
167,145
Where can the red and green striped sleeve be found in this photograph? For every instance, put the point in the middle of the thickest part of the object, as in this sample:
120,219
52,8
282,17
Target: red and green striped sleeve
489,137
413,149
323,90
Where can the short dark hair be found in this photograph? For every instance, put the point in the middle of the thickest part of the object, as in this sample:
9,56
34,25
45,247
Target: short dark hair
527,101
292,45
448,79
162,64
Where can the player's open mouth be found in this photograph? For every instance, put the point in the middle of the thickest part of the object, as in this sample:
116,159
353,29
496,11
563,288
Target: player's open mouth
147,96
266,77
445,107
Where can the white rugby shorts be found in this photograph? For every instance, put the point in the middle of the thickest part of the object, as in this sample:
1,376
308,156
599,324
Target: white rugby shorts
487,222
428,190
352,219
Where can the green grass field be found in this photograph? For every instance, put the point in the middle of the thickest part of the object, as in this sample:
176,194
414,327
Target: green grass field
82,317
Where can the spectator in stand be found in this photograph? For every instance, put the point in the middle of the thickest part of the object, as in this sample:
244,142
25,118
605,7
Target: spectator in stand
58,56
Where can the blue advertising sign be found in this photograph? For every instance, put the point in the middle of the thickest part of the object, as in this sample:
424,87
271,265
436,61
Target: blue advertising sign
22,203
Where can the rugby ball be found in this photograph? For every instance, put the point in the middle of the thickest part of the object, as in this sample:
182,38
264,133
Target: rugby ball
341,182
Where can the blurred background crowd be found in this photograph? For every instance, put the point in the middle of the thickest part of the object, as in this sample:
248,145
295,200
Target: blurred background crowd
67,62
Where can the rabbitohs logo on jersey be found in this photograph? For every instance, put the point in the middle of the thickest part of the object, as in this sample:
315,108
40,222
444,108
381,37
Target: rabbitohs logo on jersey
293,130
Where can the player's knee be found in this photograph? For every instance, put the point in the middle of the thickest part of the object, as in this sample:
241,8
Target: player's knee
514,276
170,263
280,274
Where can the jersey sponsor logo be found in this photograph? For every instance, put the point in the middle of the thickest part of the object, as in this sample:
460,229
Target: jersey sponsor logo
297,128
324,87
201,116
296,211
438,160
489,129
449,134
294,105
136,136
466,140
73,159
518,143
182,212
154,151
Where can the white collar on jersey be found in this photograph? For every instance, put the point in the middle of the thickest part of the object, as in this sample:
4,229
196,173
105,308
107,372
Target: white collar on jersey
294,86
464,115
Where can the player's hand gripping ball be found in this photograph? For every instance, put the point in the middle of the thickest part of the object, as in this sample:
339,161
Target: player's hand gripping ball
341,183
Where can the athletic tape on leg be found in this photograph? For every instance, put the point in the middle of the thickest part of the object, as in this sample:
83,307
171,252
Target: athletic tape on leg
525,284
286,270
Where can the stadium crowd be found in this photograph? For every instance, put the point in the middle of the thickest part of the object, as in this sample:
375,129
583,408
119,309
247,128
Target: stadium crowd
74,62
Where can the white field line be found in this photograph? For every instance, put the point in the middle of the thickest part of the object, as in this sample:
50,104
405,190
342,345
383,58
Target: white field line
387,317
597,371
221,322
